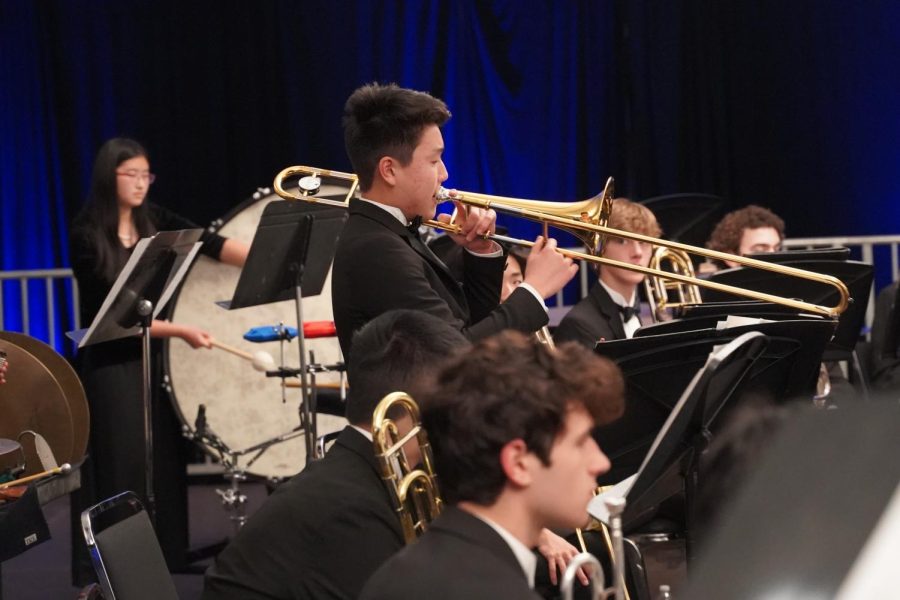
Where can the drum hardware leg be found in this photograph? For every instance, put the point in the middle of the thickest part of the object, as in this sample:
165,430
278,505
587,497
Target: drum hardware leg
281,362
233,500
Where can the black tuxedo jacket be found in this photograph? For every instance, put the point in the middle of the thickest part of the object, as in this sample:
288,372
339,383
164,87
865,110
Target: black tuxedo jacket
319,536
459,557
378,266
594,318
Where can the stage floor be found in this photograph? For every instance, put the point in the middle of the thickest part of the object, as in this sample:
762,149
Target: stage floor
44,571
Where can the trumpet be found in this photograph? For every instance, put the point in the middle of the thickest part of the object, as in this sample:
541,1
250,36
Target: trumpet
616,506
587,220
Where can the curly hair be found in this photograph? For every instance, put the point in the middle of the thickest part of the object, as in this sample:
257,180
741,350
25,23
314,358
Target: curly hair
386,120
510,387
726,237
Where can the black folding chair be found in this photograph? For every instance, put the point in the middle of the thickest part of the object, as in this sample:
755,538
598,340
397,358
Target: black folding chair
125,552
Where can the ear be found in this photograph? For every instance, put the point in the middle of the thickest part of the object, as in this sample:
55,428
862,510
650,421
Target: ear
386,170
516,461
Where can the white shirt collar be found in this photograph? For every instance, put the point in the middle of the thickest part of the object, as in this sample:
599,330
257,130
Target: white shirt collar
616,296
632,324
527,559
393,210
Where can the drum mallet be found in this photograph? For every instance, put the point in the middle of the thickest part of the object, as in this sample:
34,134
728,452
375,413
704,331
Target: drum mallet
262,361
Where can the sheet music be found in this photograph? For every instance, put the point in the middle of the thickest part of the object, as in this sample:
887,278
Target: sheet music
737,321
597,506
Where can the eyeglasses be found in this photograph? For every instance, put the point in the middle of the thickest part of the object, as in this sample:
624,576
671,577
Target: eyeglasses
134,174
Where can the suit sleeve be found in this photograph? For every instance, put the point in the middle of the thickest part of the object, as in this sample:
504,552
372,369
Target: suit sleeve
574,329
395,278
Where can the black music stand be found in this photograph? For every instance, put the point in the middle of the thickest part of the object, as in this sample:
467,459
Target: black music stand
290,257
657,368
811,502
146,283
686,432
708,314
857,276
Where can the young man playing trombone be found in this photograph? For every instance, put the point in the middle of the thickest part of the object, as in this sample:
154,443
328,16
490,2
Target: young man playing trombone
509,423
393,138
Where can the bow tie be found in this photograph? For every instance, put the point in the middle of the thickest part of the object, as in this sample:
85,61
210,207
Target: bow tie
414,225
628,312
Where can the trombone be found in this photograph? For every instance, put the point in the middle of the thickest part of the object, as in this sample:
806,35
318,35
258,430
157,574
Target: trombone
587,220
414,491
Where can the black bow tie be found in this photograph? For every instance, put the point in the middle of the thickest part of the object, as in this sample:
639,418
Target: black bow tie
627,313
414,225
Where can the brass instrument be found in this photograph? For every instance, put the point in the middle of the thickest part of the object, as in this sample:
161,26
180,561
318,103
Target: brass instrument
414,492
616,506
587,220
659,289
543,336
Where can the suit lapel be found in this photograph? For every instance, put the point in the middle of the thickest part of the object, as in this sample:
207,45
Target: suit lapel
386,219
609,310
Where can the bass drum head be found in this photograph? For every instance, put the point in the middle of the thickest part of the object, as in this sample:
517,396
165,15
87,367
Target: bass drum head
244,408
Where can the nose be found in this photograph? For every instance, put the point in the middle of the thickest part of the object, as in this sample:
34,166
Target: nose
638,249
443,175
599,463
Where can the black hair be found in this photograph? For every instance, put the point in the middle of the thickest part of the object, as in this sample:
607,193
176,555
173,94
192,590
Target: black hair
510,387
386,120
100,215
396,351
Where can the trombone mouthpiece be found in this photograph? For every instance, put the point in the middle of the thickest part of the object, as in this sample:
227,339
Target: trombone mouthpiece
442,195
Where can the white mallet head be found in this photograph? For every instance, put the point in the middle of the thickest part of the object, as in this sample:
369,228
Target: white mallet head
263,361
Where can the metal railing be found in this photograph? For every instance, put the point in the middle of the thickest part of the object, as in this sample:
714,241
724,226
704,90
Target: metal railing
61,290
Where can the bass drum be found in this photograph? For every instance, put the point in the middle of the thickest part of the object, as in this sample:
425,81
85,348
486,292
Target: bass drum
243,406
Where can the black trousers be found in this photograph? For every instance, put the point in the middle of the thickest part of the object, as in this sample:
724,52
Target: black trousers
112,377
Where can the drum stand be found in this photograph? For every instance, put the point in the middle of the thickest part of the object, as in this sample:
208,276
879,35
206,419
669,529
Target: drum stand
233,500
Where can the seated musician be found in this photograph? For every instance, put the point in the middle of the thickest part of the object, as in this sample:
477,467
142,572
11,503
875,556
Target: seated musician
744,231
323,533
513,273
510,427
611,310
393,138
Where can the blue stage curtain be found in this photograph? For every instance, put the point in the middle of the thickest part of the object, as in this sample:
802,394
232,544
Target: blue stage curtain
790,105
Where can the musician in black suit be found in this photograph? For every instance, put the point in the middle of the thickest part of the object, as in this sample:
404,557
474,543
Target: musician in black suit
611,310
510,427
323,533
393,138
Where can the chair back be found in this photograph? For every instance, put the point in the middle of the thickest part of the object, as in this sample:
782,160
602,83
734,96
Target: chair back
125,551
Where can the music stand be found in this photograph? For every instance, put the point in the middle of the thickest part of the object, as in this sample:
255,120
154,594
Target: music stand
290,257
686,431
791,255
147,281
857,276
657,368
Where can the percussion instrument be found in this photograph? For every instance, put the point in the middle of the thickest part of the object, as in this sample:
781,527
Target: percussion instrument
243,407
43,394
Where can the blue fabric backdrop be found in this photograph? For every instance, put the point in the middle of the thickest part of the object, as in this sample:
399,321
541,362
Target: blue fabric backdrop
791,105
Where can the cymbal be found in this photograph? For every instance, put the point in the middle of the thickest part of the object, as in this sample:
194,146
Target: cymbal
42,394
